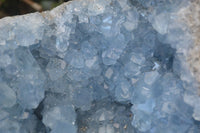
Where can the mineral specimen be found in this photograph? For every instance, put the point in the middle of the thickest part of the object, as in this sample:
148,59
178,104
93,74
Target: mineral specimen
101,66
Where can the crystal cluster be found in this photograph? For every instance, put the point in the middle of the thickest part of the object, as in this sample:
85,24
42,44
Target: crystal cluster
98,66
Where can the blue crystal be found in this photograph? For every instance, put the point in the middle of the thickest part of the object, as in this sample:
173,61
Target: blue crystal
98,66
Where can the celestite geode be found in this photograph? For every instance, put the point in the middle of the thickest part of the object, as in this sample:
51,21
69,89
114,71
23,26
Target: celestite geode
101,66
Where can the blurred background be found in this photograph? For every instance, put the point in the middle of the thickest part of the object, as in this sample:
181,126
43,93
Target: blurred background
19,7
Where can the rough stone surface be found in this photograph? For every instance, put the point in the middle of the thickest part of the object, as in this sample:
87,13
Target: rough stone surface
102,66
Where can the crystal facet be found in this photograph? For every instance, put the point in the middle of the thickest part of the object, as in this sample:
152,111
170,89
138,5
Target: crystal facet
100,66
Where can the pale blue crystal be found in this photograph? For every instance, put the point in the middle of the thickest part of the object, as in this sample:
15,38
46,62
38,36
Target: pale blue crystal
98,66
56,68
7,96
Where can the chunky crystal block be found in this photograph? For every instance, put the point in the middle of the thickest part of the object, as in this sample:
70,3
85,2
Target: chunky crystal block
101,66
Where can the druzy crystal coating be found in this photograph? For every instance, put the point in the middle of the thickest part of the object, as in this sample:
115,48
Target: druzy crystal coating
98,66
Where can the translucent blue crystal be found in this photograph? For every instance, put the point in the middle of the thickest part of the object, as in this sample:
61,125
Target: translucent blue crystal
98,66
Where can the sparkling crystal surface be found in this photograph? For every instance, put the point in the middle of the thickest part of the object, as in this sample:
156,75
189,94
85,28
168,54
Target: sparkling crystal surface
98,66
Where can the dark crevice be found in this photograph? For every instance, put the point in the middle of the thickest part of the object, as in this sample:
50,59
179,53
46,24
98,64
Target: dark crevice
165,55
38,110
88,121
